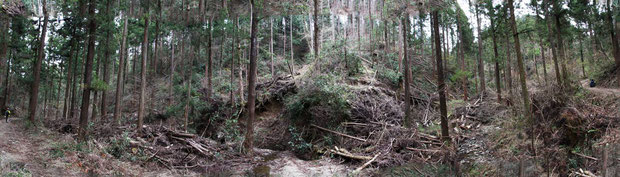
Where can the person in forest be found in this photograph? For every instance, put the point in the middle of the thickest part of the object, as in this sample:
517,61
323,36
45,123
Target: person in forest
7,113
592,83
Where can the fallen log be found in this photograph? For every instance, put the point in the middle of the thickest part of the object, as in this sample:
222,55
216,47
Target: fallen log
338,133
424,150
351,156
366,164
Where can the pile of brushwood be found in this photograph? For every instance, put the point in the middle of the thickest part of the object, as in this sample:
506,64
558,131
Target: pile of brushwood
574,124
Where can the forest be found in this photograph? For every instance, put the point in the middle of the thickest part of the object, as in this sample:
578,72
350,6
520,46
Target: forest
310,88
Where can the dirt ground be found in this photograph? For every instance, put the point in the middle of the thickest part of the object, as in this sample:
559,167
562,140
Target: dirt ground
23,151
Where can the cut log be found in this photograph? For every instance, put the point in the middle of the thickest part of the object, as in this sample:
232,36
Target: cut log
351,156
424,150
338,133
366,164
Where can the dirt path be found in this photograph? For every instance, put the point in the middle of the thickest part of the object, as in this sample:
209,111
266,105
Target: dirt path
25,151
598,90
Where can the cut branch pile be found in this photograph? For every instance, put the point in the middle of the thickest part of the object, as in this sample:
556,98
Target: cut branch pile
177,149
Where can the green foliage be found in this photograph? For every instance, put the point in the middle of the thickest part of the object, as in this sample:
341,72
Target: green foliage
119,147
297,142
99,85
59,149
392,77
322,93
231,131
19,173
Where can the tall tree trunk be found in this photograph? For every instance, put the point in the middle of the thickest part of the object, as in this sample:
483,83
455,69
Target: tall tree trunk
235,52
583,63
143,69
560,43
464,79
405,24
508,66
121,72
558,76
271,45
4,31
292,62
156,49
497,77
524,92
371,43
106,60
482,88
317,37
249,137
34,92
76,80
210,61
172,69
88,68
73,52
613,36
441,86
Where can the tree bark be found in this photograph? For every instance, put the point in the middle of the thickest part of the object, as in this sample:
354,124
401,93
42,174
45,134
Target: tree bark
143,69
317,37
210,61
249,136
560,43
4,31
482,88
497,77
405,24
441,86
520,65
88,68
292,62
34,92
271,45
106,60
121,72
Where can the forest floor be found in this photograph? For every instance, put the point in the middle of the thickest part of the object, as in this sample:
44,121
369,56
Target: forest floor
599,90
25,151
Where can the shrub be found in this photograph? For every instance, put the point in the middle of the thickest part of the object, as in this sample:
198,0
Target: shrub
321,102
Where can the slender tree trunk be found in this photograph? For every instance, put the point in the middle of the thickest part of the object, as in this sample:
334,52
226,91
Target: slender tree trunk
520,65
445,134
583,63
405,24
172,69
106,60
371,43
317,37
92,27
210,61
613,36
560,43
235,52
249,137
508,66
292,62
271,45
464,79
34,92
76,80
482,88
544,62
69,83
497,77
121,72
4,31
156,49
143,70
